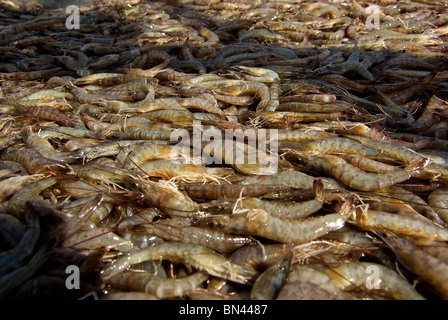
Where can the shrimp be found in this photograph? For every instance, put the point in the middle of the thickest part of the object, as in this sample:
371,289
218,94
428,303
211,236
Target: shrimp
260,90
258,74
301,277
281,209
207,237
17,205
356,178
92,239
367,164
14,258
170,200
438,201
50,114
162,288
184,172
335,145
199,257
10,186
41,145
145,152
354,276
218,191
14,279
269,283
428,268
260,223
204,102
406,225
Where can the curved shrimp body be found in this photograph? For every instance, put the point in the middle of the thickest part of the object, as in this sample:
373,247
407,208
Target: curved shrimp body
285,209
162,288
170,200
260,223
35,163
355,275
437,164
17,204
10,186
301,276
199,257
97,238
354,177
258,89
145,152
42,146
438,200
406,225
427,267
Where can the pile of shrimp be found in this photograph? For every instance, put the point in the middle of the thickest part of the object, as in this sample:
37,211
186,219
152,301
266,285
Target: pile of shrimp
102,176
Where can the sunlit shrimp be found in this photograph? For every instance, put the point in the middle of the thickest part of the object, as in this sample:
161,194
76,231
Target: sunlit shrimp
335,145
204,102
356,178
199,257
184,172
417,203
146,152
406,225
162,288
260,223
260,90
428,268
367,164
258,74
287,209
269,283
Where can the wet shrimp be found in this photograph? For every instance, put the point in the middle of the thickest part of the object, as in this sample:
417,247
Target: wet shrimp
269,283
356,178
214,239
353,276
197,256
260,223
428,268
166,197
406,225
162,288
